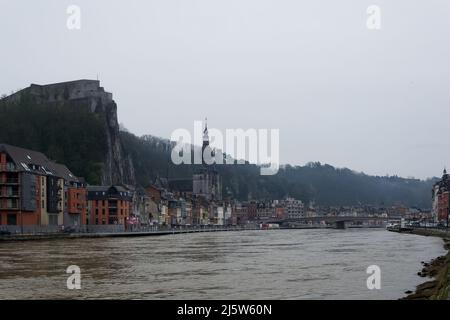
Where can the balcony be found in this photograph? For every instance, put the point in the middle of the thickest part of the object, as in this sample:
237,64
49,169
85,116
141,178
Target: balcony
8,168
10,181
112,204
14,206
14,194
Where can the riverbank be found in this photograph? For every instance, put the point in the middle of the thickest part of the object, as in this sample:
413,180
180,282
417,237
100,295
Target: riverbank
78,235
162,232
438,269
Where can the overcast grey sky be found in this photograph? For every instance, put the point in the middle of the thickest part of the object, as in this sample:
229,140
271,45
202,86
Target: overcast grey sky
376,101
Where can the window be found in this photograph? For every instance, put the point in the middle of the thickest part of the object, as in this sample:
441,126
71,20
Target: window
11,219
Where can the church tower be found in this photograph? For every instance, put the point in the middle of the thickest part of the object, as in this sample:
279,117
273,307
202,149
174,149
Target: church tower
205,140
206,181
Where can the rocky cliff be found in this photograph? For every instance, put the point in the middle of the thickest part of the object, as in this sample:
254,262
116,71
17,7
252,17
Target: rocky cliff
117,166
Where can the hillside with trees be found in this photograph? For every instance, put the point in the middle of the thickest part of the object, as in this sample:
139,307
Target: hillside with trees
322,183
76,137
64,133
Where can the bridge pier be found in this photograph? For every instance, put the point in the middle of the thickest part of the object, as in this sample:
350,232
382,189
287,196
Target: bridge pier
340,224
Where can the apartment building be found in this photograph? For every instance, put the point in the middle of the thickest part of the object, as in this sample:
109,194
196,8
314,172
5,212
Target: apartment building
35,190
108,205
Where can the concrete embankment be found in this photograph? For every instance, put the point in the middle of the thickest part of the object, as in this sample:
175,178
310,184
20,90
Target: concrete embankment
438,269
51,236
78,235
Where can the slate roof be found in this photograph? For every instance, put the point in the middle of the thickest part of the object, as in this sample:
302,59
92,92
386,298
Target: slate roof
181,185
108,192
34,161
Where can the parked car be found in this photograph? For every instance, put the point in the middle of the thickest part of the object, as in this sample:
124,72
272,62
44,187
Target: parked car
441,225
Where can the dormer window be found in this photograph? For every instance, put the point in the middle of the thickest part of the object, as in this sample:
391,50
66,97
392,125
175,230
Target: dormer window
25,166
47,171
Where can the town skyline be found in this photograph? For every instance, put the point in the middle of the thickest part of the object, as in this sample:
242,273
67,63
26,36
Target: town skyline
198,145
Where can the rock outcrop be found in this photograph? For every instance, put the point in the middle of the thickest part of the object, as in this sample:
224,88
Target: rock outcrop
117,166
439,287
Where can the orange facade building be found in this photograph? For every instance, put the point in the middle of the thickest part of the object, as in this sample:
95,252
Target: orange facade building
77,204
109,205
33,189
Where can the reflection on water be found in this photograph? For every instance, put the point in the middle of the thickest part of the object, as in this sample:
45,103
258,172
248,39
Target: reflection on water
278,264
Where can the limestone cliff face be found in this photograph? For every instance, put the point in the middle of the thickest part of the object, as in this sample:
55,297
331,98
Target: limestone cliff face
118,166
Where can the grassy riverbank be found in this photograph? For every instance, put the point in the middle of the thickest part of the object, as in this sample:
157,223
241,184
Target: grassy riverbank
438,269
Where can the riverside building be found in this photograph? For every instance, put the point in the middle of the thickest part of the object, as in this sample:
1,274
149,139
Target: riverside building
37,191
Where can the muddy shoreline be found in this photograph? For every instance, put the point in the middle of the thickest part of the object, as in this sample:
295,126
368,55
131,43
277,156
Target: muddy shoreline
438,270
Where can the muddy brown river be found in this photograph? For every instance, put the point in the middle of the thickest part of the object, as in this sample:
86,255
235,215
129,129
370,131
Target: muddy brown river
275,264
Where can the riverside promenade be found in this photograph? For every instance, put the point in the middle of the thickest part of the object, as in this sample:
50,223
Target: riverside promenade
39,233
117,232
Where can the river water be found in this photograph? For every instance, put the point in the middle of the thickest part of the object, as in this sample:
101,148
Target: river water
267,264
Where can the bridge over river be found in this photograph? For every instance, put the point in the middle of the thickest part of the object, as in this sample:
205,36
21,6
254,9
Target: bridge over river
337,221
